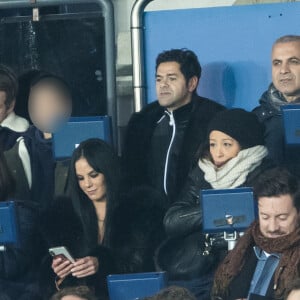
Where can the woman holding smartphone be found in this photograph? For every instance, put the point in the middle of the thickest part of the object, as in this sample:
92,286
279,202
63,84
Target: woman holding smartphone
81,219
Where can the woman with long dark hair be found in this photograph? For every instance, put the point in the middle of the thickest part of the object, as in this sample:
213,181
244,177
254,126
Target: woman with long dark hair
94,160
81,219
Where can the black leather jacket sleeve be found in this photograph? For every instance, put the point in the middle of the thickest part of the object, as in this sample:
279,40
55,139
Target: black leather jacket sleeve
185,215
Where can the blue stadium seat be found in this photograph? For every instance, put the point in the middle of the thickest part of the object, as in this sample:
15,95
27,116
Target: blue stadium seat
228,210
135,286
8,224
78,129
291,122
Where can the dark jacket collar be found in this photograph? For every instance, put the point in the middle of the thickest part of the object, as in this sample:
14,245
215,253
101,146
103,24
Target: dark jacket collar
272,99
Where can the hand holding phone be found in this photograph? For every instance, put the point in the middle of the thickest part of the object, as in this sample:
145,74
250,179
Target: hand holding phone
61,252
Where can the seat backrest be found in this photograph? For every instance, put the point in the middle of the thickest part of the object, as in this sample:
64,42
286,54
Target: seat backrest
8,223
135,286
227,210
78,129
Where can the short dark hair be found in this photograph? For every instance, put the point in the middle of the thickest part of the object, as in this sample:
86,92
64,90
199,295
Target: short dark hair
79,291
173,293
187,59
276,182
288,39
8,84
293,286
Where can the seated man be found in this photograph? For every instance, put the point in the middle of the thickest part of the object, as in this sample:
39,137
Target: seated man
267,257
162,139
284,89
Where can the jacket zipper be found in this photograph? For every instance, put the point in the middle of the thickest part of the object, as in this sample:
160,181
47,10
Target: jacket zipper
172,123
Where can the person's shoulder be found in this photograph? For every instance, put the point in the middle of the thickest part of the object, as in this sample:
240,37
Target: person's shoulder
257,110
150,108
15,123
266,164
150,113
265,112
203,102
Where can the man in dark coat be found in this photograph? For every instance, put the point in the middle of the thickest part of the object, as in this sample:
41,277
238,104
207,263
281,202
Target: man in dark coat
284,89
163,138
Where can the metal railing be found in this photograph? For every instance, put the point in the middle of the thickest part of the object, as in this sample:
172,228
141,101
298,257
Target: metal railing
137,46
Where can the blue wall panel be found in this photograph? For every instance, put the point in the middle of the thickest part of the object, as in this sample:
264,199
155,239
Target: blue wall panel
233,45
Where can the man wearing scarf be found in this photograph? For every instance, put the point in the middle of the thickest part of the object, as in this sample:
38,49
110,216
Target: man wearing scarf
284,89
267,257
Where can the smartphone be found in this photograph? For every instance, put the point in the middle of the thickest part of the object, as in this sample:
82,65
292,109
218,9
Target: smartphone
62,252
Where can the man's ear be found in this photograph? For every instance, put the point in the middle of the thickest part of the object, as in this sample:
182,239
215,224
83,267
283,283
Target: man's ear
11,107
192,84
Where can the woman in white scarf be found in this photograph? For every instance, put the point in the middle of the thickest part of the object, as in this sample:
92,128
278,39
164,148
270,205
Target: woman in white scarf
233,156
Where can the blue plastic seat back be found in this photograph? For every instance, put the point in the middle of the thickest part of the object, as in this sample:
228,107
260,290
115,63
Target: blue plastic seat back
227,210
79,129
9,233
291,122
135,286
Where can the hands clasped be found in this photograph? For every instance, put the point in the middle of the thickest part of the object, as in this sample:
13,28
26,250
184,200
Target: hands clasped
82,267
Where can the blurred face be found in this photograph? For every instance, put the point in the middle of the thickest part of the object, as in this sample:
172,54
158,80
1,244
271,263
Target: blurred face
171,87
4,111
294,295
286,69
222,147
91,182
277,216
48,107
